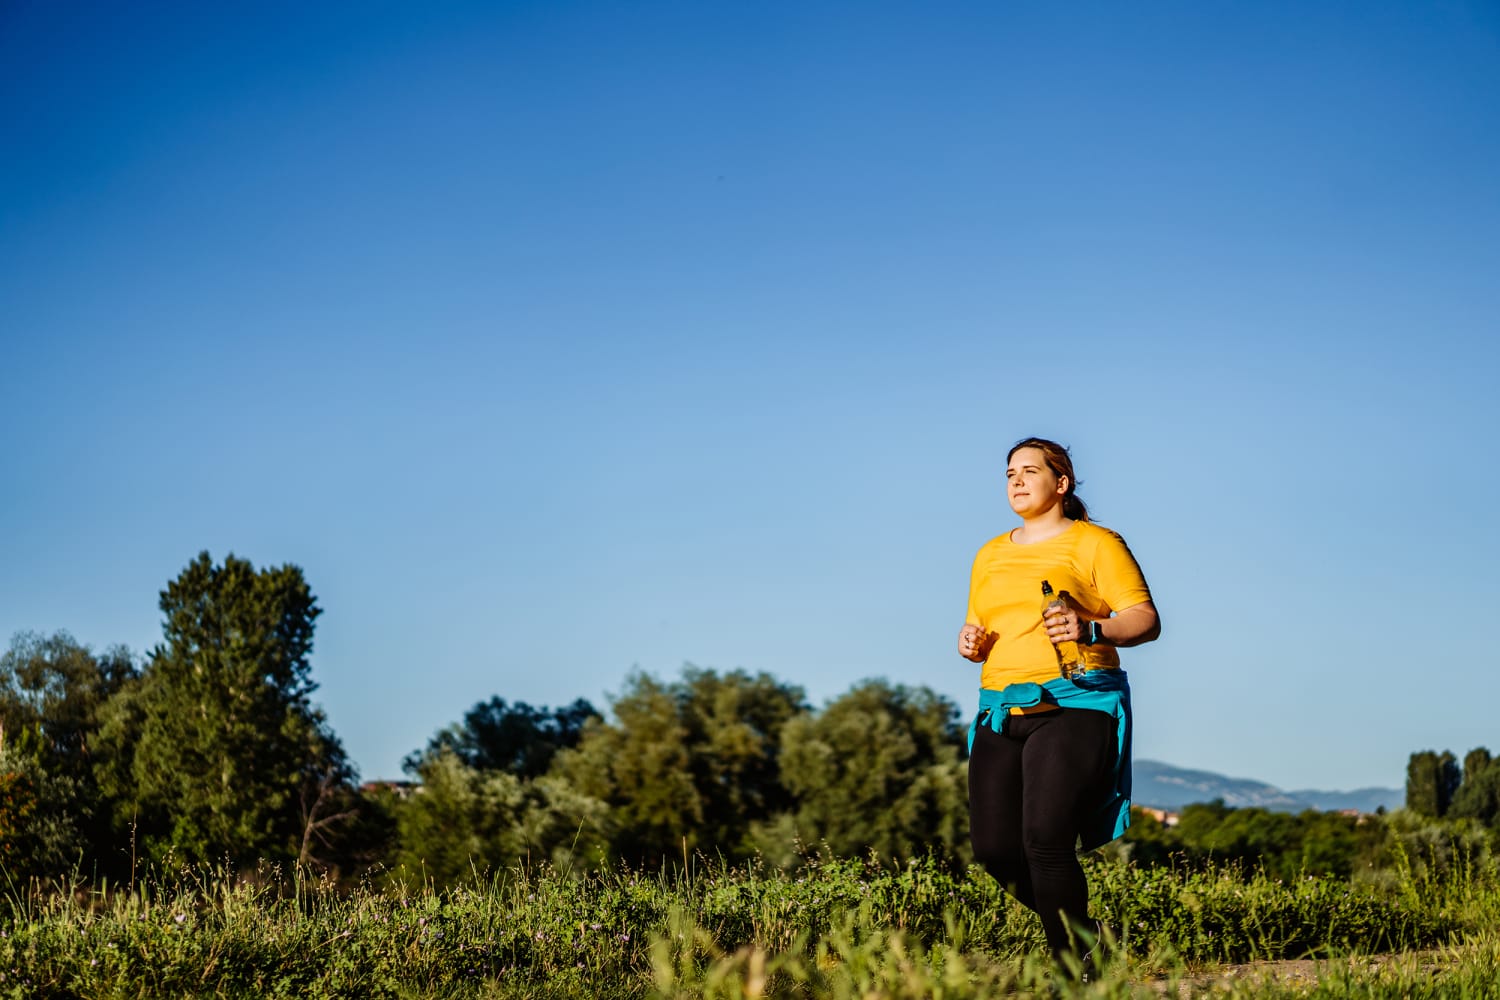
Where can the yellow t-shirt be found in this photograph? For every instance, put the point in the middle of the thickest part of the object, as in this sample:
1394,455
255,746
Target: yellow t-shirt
1091,563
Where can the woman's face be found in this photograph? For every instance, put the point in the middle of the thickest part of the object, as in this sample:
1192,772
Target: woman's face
1030,485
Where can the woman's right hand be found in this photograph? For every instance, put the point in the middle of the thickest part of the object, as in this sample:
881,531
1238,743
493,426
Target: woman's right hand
973,643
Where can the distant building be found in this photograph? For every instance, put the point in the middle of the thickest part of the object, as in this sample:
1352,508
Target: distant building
1165,817
400,789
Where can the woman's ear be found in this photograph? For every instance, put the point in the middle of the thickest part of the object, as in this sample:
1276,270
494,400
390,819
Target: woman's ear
1063,482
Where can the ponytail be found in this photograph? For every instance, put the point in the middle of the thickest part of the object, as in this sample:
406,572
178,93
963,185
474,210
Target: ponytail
1073,506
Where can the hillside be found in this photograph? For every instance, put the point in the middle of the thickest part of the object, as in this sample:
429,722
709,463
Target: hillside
1165,786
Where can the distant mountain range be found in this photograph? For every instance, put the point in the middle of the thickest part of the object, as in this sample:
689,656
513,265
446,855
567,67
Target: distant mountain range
1163,786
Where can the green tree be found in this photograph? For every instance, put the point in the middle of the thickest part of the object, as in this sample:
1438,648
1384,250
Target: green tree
1328,844
1254,835
1198,824
1251,837
1475,761
228,757
879,769
1283,845
57,686
688,765
365,841
44,813
1432,779
1434,848
52,694
1148,841
518,739
463,822
1478,796
459,822
563,825
17,805
1449,778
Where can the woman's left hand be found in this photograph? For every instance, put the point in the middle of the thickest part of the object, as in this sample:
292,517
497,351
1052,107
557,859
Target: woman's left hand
1064,623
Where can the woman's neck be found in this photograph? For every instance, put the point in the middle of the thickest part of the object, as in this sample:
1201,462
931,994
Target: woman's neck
1041,528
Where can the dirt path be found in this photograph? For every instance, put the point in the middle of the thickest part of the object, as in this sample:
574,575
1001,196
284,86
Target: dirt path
1288,972
1292,972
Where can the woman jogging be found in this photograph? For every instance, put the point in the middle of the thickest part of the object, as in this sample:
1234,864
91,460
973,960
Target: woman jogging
1050,747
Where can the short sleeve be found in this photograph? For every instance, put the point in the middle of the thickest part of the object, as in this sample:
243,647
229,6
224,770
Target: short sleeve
971,617
1117,576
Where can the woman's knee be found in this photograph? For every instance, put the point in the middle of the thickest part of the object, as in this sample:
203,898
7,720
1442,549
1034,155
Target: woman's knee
1005,861
1013,874
1048,846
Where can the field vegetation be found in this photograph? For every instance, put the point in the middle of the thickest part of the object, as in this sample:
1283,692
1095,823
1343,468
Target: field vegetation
710,836
833,928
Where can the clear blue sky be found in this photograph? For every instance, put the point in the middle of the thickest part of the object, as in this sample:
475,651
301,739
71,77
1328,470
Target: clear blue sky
556,340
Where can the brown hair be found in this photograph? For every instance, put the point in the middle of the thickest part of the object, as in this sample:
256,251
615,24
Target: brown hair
1061,464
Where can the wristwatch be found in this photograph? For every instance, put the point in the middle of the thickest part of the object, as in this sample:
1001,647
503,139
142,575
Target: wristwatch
1094,635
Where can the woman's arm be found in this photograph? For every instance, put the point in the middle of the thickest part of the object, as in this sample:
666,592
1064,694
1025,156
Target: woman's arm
1136,624
1131,627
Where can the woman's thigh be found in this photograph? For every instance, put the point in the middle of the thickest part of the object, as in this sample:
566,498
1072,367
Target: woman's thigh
1065,771
995,793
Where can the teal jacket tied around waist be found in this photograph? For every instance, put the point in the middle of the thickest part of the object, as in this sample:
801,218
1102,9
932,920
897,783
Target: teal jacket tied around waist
1105,691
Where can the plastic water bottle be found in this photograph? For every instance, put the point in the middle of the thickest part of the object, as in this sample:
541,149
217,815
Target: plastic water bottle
1068,660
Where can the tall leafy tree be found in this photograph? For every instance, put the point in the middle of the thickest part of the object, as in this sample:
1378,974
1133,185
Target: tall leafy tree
462,822
1478,796
734,723
52,694
45,814
1476,761
879,769
639,765
466,822
228,757
1431,781
485,800
688,765
518,739
56,686
1449,779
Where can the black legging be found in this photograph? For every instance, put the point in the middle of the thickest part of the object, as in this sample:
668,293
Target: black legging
1030,789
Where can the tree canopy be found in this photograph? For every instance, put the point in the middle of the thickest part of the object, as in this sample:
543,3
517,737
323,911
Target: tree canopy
879,769
53,694
1432,779
212,750
56,687
517,739
1478,795
686,765
227,756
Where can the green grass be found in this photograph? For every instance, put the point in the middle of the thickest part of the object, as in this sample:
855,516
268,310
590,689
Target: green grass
836,929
